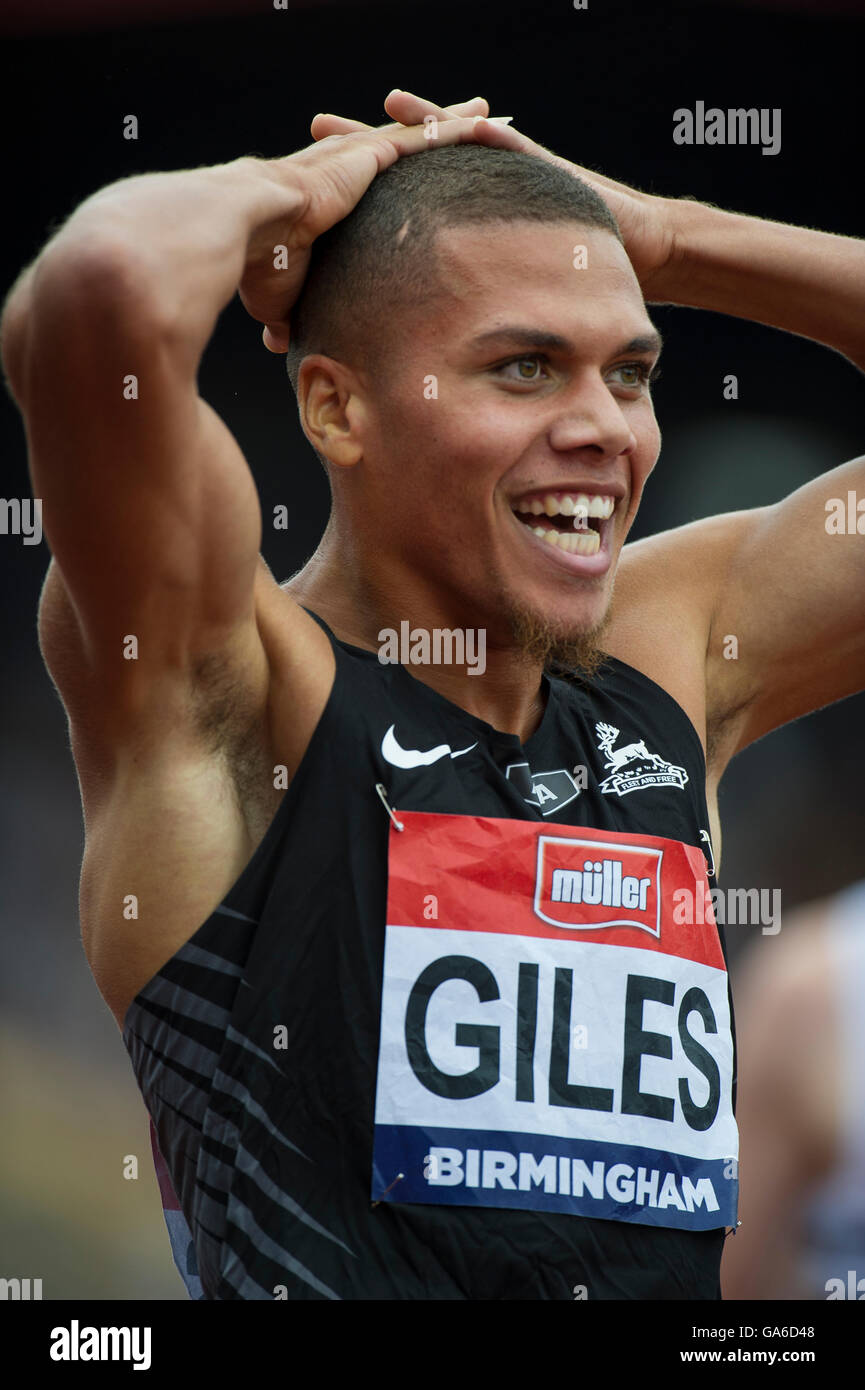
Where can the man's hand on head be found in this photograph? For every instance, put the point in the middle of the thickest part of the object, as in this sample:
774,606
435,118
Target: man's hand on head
324,182
645,221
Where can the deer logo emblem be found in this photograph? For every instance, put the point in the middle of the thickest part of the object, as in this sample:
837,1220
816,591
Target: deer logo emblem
649,770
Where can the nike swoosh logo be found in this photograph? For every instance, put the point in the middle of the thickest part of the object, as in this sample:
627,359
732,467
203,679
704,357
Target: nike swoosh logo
413,757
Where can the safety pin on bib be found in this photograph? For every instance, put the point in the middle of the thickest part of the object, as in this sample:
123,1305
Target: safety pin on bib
382,792
399,1177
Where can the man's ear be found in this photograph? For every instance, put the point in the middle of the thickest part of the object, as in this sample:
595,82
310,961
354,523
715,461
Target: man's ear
332,409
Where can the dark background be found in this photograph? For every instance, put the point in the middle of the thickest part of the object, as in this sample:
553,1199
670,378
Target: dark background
211,82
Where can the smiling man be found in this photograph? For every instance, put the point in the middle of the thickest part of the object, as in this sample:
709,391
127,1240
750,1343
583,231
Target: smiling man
393,947
472,253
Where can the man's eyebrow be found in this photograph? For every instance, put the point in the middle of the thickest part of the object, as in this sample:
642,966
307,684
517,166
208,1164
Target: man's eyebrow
522,336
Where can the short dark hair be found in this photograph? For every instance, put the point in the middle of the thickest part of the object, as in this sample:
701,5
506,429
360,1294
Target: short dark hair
381,257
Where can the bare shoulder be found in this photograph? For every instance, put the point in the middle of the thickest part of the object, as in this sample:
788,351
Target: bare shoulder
664,604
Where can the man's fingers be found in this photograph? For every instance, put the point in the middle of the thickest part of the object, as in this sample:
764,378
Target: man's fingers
409,109
325,124
276,339
478,106
457,130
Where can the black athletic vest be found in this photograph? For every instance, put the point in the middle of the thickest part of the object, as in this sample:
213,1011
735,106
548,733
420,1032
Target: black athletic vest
269,1147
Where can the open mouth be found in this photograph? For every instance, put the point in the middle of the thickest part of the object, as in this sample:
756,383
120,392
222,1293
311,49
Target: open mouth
573,522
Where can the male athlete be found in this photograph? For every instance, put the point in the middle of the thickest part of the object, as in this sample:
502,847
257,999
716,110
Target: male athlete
394,945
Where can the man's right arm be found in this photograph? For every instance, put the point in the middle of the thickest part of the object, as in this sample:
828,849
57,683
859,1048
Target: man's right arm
149,507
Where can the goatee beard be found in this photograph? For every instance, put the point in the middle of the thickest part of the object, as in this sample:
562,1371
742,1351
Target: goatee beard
559,651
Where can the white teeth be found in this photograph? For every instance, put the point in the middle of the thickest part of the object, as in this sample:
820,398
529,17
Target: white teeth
578,504
578,543
597,506
581,543
583,540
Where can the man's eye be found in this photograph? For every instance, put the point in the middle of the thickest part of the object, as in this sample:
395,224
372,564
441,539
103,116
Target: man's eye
637,373
519,362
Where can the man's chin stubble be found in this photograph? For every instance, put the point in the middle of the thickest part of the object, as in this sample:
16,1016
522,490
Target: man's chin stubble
556,648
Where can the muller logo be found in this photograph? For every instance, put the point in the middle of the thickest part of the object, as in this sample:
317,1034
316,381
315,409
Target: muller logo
588,885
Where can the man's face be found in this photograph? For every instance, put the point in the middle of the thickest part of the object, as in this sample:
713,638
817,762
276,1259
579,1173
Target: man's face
462,472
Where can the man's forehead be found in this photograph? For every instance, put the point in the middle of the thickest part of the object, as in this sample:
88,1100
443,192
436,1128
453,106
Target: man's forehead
477,251
537,272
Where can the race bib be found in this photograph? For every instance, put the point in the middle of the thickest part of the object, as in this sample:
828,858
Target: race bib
552,1038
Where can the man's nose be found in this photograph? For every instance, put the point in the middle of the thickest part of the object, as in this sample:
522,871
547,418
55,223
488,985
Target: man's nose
593,419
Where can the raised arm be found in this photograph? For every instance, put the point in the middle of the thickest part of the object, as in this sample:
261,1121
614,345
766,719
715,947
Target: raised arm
788,580
149,508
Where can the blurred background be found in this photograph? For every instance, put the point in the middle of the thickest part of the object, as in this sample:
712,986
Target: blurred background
210,80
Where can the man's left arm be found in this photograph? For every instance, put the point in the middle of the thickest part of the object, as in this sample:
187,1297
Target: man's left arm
806,282
790,583
787,632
